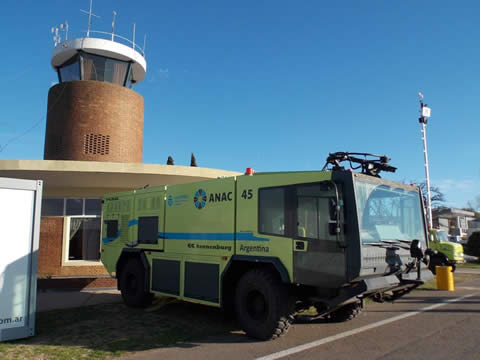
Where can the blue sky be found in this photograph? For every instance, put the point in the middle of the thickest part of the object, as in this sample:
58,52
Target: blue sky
273,85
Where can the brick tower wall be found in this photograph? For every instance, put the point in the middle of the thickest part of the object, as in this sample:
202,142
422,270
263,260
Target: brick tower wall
94,121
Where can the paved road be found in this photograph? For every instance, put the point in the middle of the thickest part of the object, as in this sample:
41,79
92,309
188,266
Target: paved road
423,325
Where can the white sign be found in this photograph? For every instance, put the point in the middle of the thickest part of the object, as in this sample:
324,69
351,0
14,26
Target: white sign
19,227
426,111
16,212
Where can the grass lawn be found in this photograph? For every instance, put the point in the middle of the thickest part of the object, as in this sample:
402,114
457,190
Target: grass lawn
469,265
109,330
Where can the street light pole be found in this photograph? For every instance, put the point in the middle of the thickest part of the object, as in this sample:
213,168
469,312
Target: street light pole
425,113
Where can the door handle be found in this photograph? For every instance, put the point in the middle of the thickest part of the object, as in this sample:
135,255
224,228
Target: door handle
300,245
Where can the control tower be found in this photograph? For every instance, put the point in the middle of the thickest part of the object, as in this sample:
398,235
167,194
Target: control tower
93,114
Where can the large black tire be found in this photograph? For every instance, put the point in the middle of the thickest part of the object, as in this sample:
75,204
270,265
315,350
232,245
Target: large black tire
263,307
346,313
132,284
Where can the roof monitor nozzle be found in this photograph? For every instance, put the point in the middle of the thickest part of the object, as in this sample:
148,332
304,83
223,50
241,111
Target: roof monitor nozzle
371,164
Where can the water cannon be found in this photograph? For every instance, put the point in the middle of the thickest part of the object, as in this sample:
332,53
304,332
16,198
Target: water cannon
370,164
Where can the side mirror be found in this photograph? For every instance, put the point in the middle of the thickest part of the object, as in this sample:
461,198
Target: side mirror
334,228
416,250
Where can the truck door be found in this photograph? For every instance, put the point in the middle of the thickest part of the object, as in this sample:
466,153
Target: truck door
319,255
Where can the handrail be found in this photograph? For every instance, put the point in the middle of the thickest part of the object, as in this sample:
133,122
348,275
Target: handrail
134,46
112,36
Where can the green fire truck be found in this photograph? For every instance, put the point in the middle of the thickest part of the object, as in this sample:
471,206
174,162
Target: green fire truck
443,252
267,245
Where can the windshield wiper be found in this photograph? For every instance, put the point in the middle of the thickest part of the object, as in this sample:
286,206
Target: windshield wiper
395,244
385,244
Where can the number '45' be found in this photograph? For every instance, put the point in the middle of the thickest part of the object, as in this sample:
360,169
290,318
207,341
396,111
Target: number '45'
247,194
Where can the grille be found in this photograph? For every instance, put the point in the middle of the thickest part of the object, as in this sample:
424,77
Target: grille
96,144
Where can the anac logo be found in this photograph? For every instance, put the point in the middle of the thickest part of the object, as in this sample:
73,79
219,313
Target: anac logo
200,199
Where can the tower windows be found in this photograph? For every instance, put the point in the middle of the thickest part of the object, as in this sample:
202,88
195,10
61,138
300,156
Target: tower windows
85,66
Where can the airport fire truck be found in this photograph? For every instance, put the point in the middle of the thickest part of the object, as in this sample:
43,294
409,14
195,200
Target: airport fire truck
267,245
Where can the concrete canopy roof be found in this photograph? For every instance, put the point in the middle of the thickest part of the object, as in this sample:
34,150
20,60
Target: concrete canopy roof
452,213
57,174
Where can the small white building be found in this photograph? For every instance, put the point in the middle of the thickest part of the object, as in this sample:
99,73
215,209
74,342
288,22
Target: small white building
455,222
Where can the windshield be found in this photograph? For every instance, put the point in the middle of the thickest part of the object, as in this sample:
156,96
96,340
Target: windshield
442,236
388,213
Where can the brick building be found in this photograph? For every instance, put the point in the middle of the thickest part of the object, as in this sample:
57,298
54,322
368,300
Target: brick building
93,146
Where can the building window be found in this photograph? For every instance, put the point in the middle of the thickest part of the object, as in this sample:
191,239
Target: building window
81,232
74,207
93,207
52,207
85,66
83,238
70,70
71,206
101,68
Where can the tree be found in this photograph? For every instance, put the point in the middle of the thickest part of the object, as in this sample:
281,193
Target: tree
170,161
437,196
473,245
193,161
474,204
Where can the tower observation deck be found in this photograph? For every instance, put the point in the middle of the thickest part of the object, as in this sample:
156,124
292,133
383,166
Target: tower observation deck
93,113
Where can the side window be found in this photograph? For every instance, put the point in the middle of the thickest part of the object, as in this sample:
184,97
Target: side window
313,212
148,230
308,217
112,228
272,211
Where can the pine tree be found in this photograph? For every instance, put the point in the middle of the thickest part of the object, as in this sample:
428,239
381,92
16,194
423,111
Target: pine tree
193,161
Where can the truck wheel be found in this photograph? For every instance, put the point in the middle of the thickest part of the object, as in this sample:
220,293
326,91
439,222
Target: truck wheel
132,280
436,261
346,313
262,304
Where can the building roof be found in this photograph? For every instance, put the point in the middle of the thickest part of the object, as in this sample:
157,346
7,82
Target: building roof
60,177
452,212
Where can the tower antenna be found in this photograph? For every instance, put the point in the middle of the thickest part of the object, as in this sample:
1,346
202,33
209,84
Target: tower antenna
113,23
90,14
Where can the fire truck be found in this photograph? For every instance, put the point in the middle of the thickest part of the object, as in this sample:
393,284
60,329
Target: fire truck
267,245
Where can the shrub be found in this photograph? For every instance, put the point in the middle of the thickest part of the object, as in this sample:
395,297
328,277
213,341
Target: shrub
473,244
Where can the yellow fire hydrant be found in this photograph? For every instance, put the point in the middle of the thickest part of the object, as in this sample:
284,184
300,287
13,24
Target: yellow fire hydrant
445,278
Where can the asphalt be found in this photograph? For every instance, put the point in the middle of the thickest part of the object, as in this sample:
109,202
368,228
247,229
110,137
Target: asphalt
427,325
64,299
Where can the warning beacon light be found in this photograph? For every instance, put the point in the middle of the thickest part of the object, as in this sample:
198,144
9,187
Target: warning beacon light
249,171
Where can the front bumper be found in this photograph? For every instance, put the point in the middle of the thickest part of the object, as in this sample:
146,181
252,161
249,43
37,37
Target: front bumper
394,282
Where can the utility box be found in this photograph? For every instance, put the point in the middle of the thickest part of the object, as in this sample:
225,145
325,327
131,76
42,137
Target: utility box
20,213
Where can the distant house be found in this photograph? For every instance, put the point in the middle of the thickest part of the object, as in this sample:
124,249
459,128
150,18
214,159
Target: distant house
455,221
473,226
